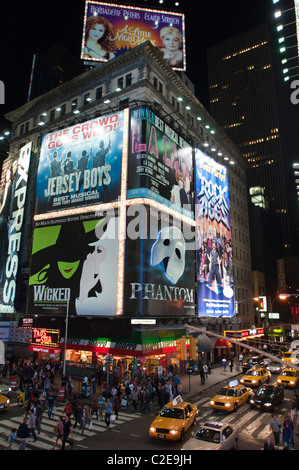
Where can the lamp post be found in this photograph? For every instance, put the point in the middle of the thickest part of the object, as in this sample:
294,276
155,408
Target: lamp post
66,333
237,302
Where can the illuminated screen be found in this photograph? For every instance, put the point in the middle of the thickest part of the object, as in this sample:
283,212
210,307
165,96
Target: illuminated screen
74,265
214,247
159,264
160,163
297,22
110,30
12,207
81,165
45,337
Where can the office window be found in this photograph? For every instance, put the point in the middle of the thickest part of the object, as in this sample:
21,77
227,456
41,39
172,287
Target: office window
99,92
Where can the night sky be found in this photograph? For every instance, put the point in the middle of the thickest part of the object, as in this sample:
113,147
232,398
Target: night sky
34,27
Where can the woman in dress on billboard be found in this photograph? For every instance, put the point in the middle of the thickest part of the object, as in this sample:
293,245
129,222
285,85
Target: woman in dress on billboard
172,42
100,39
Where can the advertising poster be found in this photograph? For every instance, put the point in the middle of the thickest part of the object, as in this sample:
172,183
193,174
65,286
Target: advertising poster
214,249
110,30
159,265
12,207
74,265
160,163
81,165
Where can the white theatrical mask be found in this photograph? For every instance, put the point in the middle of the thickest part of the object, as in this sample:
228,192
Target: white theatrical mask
170,249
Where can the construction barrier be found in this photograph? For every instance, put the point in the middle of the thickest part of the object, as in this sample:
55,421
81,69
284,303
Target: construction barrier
13,383
61,394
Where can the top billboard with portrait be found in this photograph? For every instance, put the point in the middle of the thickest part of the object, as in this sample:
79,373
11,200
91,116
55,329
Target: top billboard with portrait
110,30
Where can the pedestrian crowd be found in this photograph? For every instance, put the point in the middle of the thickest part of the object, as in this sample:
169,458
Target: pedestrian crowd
284,432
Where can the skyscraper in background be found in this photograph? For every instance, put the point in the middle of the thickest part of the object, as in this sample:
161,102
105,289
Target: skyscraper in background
250,101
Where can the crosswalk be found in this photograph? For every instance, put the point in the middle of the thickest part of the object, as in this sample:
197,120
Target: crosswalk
47,437
252,422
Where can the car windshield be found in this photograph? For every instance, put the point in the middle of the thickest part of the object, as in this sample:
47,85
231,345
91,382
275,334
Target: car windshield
264,392
176,413
208,435
229,392
287,355
289,373
253,372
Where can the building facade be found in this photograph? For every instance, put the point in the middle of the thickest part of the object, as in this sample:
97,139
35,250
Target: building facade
134,95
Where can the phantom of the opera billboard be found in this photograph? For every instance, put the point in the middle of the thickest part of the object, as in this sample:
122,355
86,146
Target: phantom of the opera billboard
110,30
160,163
13,191
159,264
81,165
74,265
214,246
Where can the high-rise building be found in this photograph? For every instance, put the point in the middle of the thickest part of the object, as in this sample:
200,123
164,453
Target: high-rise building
245,101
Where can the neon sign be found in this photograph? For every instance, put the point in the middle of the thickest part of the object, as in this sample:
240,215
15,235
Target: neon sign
45,337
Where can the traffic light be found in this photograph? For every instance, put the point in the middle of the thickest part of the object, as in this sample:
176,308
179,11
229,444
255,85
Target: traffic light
262,303
181,349
193,348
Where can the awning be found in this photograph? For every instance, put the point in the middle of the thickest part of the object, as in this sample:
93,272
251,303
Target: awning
204,343
223,344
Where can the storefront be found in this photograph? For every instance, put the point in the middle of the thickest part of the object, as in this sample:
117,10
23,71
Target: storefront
251,336
150,351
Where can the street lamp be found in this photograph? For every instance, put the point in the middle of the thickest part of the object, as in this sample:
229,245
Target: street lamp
237,302
66,333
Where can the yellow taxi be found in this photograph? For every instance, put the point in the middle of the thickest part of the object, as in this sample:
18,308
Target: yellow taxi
174,420
231,396
292,357
256,376
288,378
4,402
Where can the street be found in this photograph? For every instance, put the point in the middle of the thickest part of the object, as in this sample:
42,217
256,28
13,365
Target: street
130,432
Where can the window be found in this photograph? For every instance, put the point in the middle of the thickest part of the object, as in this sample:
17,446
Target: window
128,79
86,98
74,103
62,110
52,114
99,92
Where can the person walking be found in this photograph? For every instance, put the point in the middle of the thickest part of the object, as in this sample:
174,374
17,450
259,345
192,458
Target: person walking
31,425
269,445
79,415
108,406
87,417
67,430
59,431
11,438
23,433
202,376
275,427
51,403
39,416
287,436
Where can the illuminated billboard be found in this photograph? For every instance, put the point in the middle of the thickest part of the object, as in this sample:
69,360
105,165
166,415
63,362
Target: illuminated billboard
81,165
74,265
214,244
12,207
160,163
110,30
159,264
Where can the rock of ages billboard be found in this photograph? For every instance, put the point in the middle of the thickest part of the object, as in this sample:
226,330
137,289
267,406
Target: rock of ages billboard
13,192
159,264
74,262
81,165
214,244
160,163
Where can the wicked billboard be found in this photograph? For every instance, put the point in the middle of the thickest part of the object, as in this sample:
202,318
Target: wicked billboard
160,163
81,165
159,264
74,265
214,249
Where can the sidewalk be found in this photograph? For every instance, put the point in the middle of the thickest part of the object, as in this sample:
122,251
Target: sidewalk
191,385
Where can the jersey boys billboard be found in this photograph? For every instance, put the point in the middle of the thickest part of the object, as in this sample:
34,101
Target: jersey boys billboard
74,263
110,30
81,165
214,250
160,164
